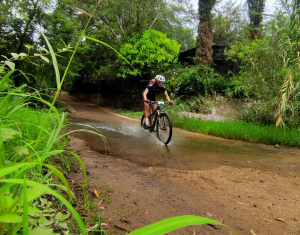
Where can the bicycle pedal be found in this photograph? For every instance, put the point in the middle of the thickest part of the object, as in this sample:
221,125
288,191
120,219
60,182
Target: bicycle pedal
145,126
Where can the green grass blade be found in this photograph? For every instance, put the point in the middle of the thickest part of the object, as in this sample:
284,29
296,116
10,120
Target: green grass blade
10,218
54,60
48,154
50,105
11,168
55,194
82,130
10,94
54,136
70,193
81,164
6,77
96,40
171,224
92,132
2,153
60,175
46,177
33,193
17,107
19,173
25,208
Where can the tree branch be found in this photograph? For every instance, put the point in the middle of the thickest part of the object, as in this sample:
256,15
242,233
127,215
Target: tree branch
157,16
110,28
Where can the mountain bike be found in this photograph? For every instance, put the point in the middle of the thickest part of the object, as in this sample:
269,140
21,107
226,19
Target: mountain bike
160,122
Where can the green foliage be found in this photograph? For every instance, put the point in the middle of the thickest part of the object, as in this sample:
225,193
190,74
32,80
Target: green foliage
255,11
260,113
171,224
131,114
194,104
255,59
270,68
19,127
62,22
149,52
184,36
196,80
229,25
28,139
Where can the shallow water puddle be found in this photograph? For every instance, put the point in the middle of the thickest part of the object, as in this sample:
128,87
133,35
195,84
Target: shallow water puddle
187,150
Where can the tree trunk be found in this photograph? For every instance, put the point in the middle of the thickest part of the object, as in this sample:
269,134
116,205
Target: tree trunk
22,41
204,42
255,11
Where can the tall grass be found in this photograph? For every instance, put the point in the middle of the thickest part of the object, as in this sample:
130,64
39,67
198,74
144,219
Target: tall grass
22,160
248,132
28,140
241,131
131,114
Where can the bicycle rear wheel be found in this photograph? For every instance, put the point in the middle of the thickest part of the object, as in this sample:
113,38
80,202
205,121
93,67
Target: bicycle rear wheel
164,128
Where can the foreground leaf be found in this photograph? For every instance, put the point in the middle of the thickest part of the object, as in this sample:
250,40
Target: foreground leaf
54,193
11,65
168,225
7,133
43,231
10,218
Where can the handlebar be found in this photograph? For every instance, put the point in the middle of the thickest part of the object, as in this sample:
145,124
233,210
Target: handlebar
159,102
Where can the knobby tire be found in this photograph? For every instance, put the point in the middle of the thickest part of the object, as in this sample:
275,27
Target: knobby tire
142,120
164,128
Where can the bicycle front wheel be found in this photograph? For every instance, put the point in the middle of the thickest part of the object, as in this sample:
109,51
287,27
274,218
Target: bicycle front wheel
143,121
164,128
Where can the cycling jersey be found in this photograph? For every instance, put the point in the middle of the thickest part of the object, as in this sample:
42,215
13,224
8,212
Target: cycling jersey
153,88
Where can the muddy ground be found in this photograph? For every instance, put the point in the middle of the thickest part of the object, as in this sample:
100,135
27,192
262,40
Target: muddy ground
251,200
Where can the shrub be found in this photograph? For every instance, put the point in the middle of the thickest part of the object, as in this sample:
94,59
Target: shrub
151,51
195,81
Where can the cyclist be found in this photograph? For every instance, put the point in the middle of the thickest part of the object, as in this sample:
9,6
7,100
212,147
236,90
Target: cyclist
155,85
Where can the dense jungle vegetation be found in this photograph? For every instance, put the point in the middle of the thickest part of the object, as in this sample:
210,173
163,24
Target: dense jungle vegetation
260,51
116,47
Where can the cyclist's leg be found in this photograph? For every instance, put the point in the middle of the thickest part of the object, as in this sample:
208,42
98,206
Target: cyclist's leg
147,122
151,97
146,105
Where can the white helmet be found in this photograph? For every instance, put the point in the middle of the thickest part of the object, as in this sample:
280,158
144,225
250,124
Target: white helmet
160,78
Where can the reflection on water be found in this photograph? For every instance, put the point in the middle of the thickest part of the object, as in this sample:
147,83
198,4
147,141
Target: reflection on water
128,140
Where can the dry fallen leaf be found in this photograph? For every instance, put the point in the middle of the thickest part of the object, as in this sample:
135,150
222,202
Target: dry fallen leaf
100,202
242,203
252,232
279,219
93,227
146,212
96,193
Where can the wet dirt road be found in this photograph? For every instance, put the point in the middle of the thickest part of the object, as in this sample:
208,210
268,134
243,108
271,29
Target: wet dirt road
252,188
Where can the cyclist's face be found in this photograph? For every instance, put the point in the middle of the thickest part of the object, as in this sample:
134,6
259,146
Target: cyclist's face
159,84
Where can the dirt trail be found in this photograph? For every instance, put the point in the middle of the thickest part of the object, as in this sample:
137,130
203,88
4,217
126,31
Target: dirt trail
248,199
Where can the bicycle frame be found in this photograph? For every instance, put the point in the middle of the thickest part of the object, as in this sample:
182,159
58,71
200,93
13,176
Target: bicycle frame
156,112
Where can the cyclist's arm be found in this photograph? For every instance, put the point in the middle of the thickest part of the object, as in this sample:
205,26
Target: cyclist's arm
145,94
167,96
